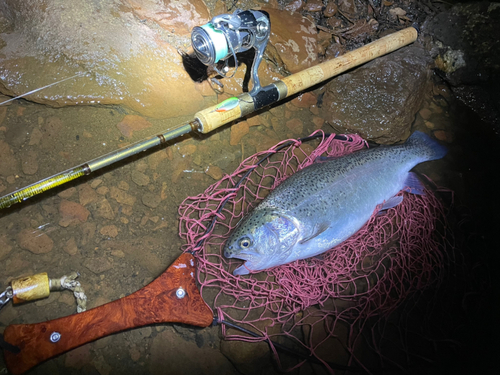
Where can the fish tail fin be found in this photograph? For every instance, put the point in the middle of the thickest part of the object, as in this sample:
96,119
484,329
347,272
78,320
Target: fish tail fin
427,147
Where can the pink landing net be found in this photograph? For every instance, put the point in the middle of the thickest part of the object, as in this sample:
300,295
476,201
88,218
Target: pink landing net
323,306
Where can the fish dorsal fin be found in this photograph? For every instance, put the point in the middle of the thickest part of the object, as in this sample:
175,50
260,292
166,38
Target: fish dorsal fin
318,229
413,185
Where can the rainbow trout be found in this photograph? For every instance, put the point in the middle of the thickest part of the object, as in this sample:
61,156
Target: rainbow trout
325,203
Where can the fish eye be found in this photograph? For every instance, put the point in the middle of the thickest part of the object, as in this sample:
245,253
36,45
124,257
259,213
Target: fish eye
245,243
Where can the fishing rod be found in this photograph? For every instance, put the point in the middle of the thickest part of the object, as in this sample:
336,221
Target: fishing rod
235,32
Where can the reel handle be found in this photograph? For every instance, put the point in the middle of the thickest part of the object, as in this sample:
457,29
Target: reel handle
171,298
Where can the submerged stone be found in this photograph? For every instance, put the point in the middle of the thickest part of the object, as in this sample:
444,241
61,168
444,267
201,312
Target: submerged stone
380,99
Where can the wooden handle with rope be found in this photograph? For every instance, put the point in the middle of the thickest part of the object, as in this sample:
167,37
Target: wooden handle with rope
171,298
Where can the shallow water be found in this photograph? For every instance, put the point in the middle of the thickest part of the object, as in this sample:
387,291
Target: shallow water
127,231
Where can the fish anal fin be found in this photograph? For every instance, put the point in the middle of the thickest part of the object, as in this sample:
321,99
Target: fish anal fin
391,203
318,229
413,185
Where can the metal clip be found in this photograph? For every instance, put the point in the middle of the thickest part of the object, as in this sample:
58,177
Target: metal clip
5,296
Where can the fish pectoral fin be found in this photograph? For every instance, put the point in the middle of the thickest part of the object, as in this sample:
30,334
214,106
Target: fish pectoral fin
318,229
391,203
241,270
413,184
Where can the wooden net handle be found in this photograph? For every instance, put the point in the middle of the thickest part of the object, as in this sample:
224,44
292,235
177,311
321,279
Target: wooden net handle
155,303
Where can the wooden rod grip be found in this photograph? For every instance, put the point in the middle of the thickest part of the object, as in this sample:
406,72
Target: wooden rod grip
155,303
232,109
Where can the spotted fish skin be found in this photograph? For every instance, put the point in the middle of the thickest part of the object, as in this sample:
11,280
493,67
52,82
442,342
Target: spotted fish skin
325,203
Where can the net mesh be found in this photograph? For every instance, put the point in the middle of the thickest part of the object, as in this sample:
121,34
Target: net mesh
333,306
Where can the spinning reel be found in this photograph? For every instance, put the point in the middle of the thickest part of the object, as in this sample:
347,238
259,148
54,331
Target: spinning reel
228,34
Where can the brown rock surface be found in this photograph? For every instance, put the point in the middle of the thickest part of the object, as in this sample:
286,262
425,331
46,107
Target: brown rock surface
131,61
379,100
131,124
72,213
8,163
35,241
238,131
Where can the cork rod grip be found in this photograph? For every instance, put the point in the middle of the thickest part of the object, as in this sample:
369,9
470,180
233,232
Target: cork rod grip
307,78
212,118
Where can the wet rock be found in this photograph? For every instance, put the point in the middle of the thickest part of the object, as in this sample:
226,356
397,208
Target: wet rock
164,191
109,231
330,10
247,359
135,355
304,100
101,365
79,357
98,265
210,361
51,130
318,122
334,22
155,159
214,172
102,190
465,49
5,248
425,113
131,124
35,241
68,193
295,39
136,335
86,194
118,253
120,43
88,232
36,136
238,131
348,7
380,99
121,197
443,136
295,6
70,246
468,33
105,210
429,125
67,298
123,185
72,213
175,16
151,200
313,6
3,109
95,183
254,120
9,165
140,178
29,162
295,125
187,149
